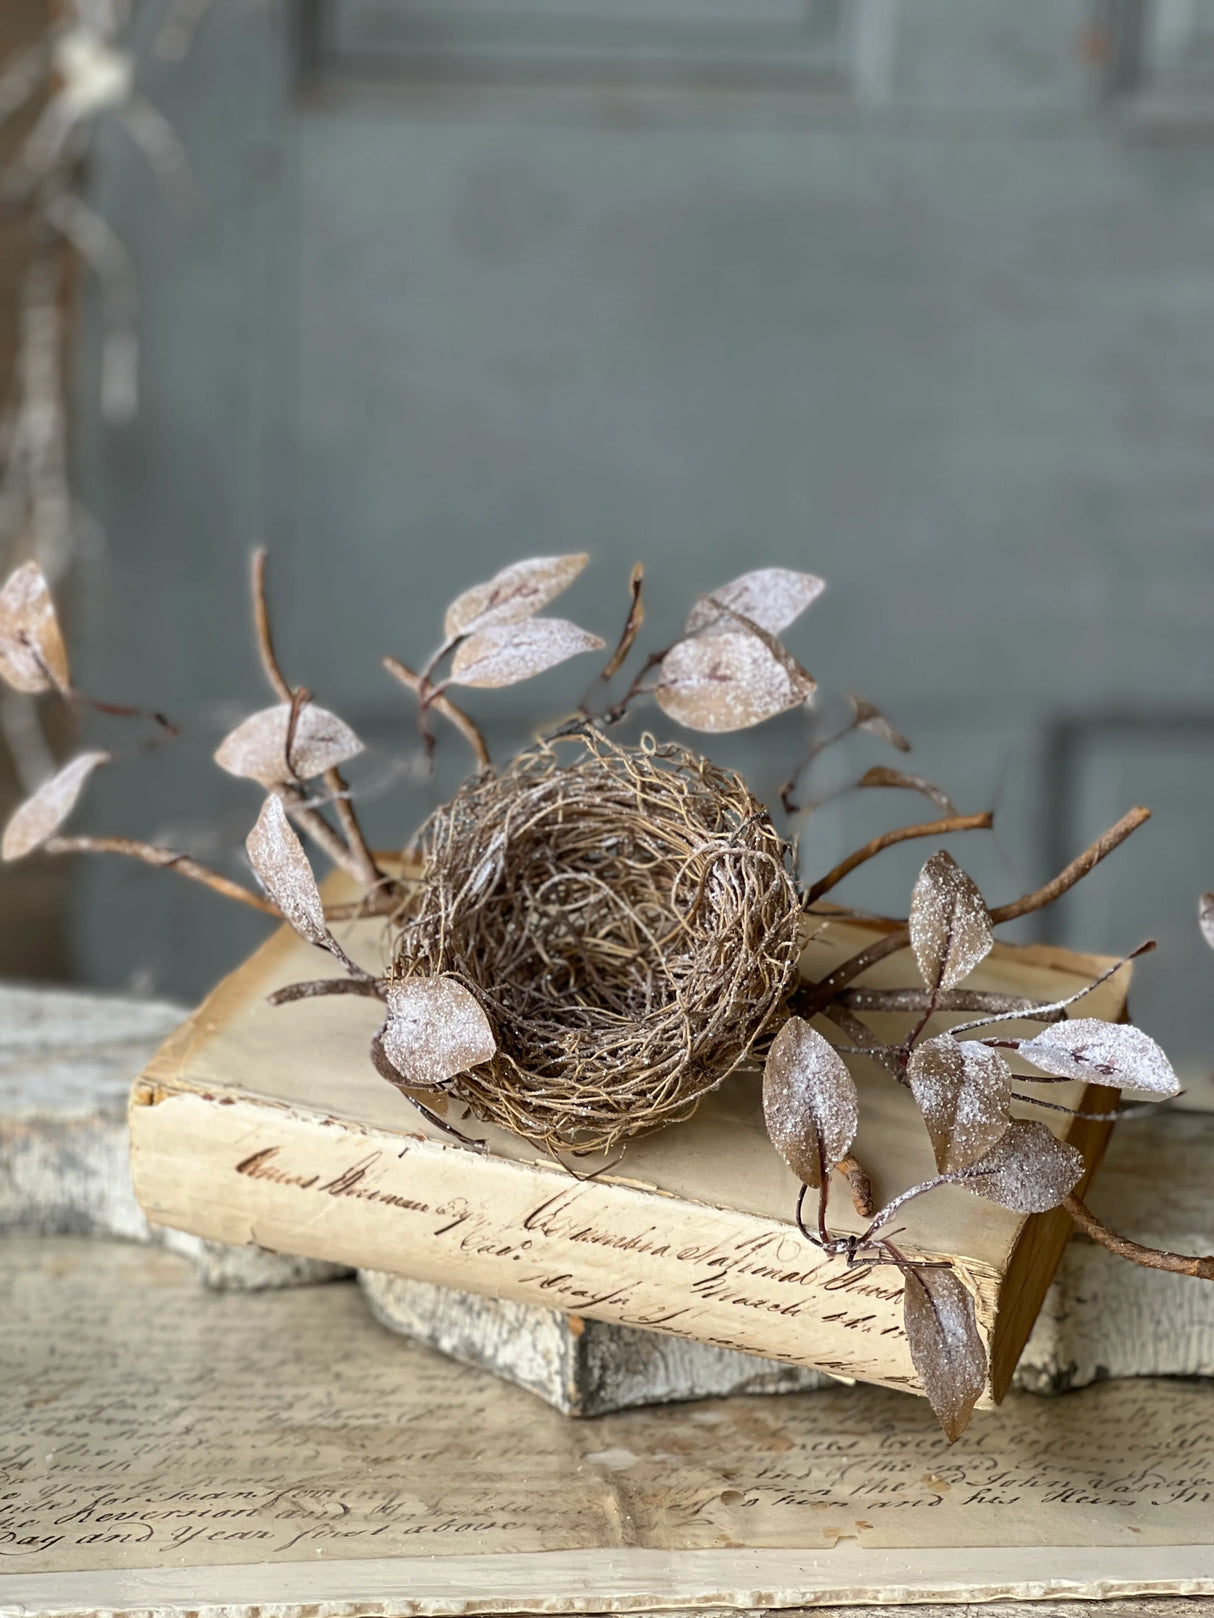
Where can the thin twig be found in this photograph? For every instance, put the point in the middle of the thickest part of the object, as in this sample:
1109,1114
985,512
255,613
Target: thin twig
150,855
443,704
864,1038
900,834
314,988
1153,1258
632,625
294,801
369,871
823,992
261,621
916,1000
861,1186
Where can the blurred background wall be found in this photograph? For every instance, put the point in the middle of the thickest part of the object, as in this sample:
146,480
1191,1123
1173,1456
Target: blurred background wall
914,294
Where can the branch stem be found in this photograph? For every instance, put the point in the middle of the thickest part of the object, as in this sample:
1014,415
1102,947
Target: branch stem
900,834
1153,1258
150,855
261,622
443,704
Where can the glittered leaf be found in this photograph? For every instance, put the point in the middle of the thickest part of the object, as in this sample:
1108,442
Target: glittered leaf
1205,917
506,653
1116,1054
282,868
881,775
963,1091
809,1101
771,597
950,926
32,654
41,815
515,593
1028,1171
870,718
257,748
728,681
435,1029
946,1348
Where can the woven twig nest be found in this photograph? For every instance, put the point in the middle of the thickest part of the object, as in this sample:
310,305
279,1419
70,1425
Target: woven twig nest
627,920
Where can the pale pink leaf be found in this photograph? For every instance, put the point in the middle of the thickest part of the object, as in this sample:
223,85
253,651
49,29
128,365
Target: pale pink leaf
1205,917
881,775
435,1029
282,868
1029,1170
32,654
728,681
950,926
517,592
870,718
503,654
964,1092
945,1345
772,597
809,1101
257,748
1116,1054
41,815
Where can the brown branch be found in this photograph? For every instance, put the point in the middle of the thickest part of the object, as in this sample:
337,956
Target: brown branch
369,871
860,1035
1153,1258
318,828
261,622
150,855
632,625
370,988
861,1186
455,716
917,1000
823,992
900,834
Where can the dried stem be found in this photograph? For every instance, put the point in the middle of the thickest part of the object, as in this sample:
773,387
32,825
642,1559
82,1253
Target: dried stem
1153,1258
825,991
861,1186
314,988
632,625
294,801
261,621
900,834
916,1000
863,1037
369,871
444,705
151,855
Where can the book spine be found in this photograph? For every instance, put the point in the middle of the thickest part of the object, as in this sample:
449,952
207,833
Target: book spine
240,1171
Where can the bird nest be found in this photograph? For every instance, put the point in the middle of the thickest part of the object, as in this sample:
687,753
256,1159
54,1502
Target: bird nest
627,920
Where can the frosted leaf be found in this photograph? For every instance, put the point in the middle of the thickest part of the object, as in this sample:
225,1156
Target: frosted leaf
881,775
809,1102
950,926
506,653
963,1090
282,868
436,1028
728,681
772,597
1028,1171
515,593
92,74
32,654
41,815
945,1345
870,718
1205,917
1112,1053
257,748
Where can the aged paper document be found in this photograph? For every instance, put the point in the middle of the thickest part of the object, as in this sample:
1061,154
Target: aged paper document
162,1446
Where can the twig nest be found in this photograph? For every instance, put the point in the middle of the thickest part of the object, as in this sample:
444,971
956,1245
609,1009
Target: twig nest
627,920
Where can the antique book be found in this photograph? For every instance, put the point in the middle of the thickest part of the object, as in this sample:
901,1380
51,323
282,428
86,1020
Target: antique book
268,1125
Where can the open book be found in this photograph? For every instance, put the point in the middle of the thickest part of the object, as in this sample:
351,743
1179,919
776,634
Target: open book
256,1124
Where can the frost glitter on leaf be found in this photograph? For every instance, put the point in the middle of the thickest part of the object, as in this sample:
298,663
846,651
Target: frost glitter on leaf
881,775
257,748
963,1091
772,597
1028,1171
728,681
436,1028
41,815
1117,1054
515,593
946,1348
282,868
809,1102
870,718
950,926
32,654
507,653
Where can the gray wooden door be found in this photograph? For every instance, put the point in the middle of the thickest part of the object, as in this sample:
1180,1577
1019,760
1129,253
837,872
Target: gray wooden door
919,297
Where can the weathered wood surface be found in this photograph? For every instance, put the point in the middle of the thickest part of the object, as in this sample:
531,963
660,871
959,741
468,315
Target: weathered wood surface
66,1063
